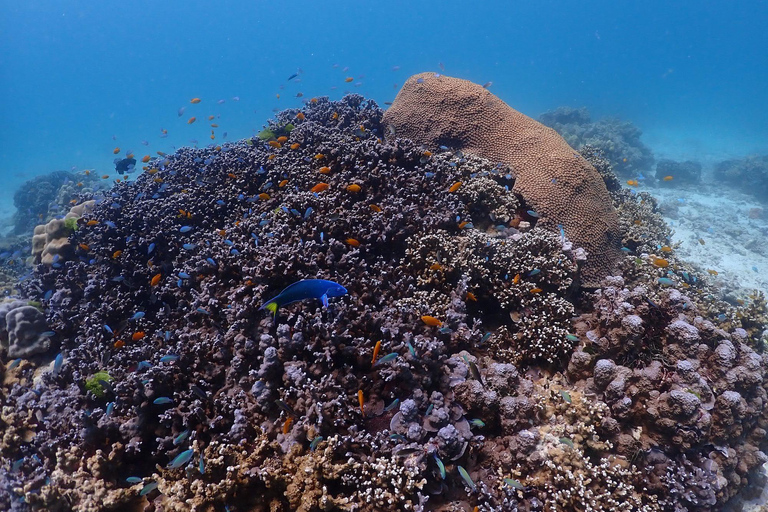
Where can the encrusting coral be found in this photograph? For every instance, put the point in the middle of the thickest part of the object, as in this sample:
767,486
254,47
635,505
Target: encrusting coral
465,367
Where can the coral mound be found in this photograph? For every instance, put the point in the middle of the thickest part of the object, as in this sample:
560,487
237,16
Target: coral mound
560,186
464,367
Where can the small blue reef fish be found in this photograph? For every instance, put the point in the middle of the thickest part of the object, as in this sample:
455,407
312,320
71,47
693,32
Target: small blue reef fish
465,476
305,289
181,459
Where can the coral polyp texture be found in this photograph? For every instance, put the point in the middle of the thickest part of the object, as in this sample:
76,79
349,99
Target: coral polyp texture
464,367
555,181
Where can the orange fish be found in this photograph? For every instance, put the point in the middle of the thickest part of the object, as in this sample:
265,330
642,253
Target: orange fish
536,290
282,139
84,247
361,399
214,125
92,222
191,120
324,170
319,156
222,232
271,157
275,144
155,279
118,344
375,208
161,153
376,351
129,155
145,159
431,321
212,135
282,183
232,175
313,100
712,272
633,183
668,178
287,425
300,116
427,154
435,266
210,118
666,248
320,187
335,115
471,296
87,172
660,262
354,188
152,171
463,224
158,180
516,279
348,79
195,100
79,183
138,335
264,196
455,187
295,145
105,177
353,242
117,254
115,151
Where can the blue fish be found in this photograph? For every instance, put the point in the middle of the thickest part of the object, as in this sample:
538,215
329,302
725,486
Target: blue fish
201,465
169,358
57,363
144,364
189,247
181,438
305,289
183,275
137,315
151,248
151,486
48,294
14,364
185,229
133,480
110,408
163,400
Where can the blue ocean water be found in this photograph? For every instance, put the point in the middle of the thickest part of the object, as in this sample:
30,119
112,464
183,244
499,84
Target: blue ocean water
80,78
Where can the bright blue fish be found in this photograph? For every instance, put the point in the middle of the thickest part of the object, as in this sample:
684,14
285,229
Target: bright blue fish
305,289
110,408
387,359
189,247
169,358
183,275
181,438
137,315
57,363
14,364
133,480
185,229
181,459
150,248
108,329
201,465
162,400
151,486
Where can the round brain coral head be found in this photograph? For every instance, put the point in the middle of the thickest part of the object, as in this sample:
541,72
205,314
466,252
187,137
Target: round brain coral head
555,181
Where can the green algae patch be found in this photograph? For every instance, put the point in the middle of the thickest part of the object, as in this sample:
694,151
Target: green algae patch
94,384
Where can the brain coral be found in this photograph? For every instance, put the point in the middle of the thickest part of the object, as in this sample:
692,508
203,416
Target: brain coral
555,181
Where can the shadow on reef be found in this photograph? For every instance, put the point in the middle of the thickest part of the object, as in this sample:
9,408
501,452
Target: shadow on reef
497,384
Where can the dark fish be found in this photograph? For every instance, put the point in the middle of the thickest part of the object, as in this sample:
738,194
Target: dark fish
292,76
287,408
475,371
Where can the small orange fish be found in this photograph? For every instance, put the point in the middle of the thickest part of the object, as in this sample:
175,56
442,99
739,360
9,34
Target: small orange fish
427,154
282,139
431,321
129,155
335,115
232,175
155,279
463,224
354,188
376,351
222,232
300,116
118,180
319,156
353,242
638,222
659,262
361,399
79,183
105,176
516,279
375,208
117,254
282,183
145,159
84,247
119,344
668,178
153,171
195,100
264,196
275,144
212,135
712,272
324,170
295,145
92,222
633,183
320,187
138,335
271,157
214,125
158,180
348,79
160,153
287,425
277,96
115,151
313,100
536,290
87,172
191,120
666,248
454,187
435,266
210,118
471,296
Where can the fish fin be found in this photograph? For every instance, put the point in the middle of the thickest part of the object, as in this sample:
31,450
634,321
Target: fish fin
324,298
271,307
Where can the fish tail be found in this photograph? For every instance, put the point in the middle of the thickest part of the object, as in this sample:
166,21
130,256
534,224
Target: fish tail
271,306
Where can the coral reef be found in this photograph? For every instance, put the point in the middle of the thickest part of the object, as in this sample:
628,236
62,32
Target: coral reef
749,174
464,368
558,187
33,198
676,173
50,241
23,331
619,140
